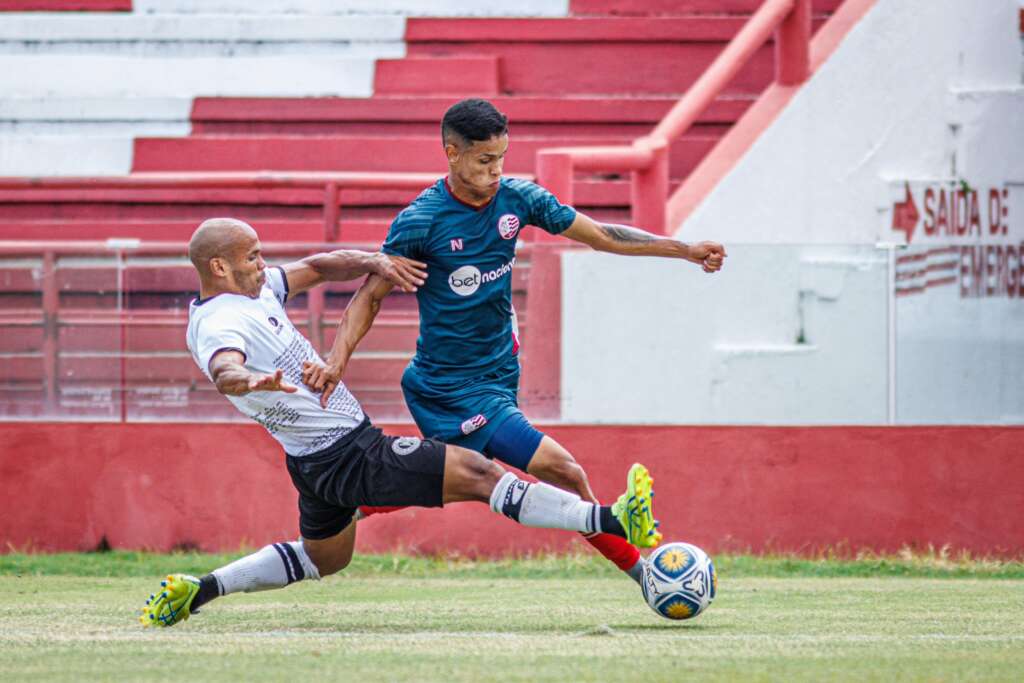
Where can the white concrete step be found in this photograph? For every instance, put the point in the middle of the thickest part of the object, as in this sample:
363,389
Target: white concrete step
35,27
65,155
126,76
44,111
197,35
94,108
437,8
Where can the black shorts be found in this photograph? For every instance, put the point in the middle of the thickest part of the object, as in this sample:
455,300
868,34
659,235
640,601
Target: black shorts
365,467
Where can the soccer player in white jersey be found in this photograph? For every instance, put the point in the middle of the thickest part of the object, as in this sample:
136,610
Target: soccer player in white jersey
242,339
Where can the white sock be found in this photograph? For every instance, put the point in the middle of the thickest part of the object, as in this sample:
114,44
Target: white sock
542,505
273,566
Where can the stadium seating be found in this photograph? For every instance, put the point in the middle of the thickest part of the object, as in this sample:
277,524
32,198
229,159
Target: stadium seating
179,90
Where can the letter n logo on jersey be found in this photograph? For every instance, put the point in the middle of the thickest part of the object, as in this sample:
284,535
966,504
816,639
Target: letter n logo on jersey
457,245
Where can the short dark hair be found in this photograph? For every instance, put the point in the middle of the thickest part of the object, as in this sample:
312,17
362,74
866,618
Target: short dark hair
472,120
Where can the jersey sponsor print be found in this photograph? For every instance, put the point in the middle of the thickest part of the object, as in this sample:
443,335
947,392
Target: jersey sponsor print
466,314
260,329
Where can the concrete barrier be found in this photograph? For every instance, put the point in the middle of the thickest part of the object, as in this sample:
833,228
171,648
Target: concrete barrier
67,486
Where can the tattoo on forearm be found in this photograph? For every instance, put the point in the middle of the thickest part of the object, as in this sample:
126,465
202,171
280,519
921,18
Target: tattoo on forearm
622,233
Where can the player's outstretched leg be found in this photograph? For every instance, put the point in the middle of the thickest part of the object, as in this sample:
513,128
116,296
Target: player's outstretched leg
470,476
274,566
551,462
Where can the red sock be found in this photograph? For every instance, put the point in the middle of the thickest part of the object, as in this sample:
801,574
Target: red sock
368,510
616,549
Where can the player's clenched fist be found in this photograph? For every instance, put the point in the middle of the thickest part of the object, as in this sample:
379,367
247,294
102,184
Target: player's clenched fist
709,255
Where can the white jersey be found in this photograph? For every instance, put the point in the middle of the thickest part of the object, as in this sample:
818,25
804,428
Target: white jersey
260,329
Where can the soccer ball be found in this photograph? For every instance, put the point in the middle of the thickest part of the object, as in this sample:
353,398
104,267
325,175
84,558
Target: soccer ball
679,581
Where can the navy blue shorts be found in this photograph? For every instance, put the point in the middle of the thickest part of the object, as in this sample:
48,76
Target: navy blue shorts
462,411
479,413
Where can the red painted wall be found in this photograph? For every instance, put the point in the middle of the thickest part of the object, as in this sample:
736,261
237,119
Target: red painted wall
64,486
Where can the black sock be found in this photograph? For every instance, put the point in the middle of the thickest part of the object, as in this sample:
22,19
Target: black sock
208,590
609,524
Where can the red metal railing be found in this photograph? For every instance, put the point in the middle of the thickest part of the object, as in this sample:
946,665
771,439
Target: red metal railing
330,183
51,317
647,158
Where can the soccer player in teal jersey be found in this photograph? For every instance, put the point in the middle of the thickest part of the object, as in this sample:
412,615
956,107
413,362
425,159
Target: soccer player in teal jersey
461,387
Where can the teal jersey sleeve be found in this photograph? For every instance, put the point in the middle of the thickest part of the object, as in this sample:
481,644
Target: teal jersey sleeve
545,211
407,234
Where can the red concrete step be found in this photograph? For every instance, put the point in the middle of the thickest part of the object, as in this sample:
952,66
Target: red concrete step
553,117
181,230
457,75
680,7
605,29
21,338
604,54
187,192
365,217
390,332
363,153
379,369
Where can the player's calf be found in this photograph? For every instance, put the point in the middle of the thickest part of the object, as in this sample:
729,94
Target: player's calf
555,465
470,476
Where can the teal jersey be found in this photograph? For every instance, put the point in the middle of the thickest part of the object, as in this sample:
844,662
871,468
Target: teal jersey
467,323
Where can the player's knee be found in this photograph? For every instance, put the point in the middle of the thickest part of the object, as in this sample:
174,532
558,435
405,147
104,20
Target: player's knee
561,469
470,474
328,565
483,470
328,560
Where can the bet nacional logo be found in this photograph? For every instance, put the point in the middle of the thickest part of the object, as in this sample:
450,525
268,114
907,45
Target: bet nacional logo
465,280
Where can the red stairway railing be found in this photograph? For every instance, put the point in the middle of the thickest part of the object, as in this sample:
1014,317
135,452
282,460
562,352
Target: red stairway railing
647,158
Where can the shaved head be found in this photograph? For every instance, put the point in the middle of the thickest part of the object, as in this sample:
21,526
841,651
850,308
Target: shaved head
217,238
226,253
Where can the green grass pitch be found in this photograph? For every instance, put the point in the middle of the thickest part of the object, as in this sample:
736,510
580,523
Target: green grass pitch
566,619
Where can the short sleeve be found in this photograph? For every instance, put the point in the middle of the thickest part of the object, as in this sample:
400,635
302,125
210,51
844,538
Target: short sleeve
407,234
215,334
278,283
544,209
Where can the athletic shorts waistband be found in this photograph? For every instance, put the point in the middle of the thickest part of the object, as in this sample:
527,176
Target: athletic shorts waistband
338,446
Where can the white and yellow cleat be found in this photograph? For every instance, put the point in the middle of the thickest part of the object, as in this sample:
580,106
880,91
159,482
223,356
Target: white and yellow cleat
172,602
635,508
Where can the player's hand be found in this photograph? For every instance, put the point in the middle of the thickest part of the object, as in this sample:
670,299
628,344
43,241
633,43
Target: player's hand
275,382
323,378
709,255
402,272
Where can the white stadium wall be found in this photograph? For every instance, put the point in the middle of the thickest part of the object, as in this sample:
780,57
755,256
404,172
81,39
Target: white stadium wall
916,121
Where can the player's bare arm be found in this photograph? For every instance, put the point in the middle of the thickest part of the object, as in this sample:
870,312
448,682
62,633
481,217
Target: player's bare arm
234,379
629,241
355,323
349,264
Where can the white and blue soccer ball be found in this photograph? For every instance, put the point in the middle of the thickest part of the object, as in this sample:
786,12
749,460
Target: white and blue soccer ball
679,581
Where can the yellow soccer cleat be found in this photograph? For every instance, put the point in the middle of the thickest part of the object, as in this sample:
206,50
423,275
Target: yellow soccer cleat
634,509
172,603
